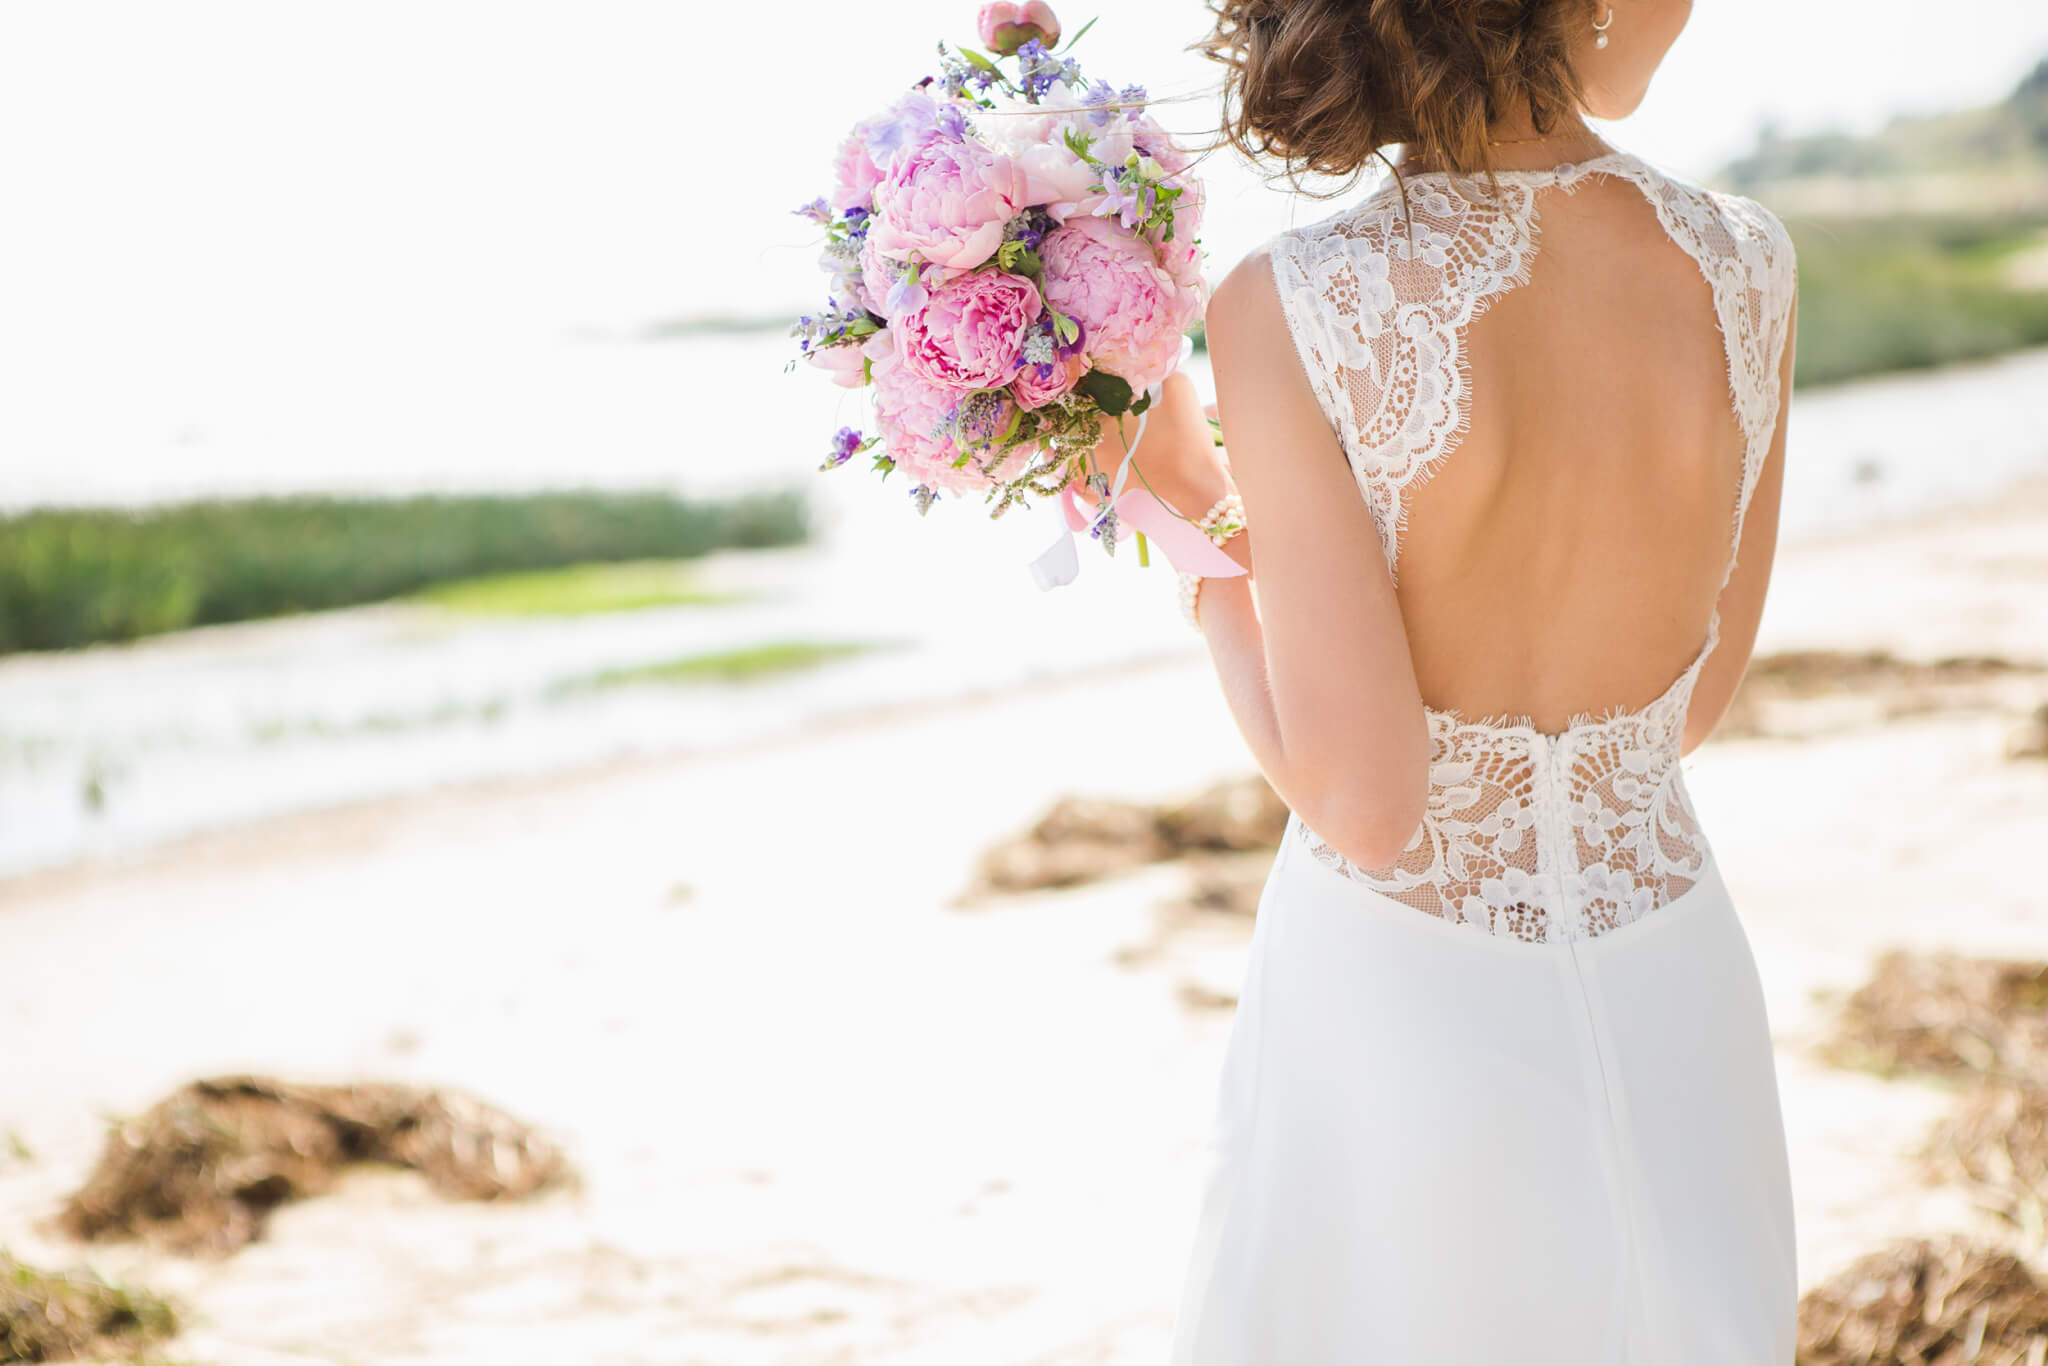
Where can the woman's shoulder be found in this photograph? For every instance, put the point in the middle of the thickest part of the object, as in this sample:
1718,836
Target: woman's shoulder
1757,234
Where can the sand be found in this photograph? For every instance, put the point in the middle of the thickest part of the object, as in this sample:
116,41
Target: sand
824,1114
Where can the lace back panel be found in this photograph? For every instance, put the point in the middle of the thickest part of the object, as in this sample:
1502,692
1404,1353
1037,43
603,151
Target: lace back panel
1527,834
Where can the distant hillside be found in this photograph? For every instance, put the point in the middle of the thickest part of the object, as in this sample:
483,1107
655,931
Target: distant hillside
1924,243
1994,158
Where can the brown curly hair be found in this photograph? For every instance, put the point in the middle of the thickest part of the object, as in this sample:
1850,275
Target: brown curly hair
1323,85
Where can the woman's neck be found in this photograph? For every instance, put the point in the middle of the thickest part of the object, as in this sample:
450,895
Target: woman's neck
1515,144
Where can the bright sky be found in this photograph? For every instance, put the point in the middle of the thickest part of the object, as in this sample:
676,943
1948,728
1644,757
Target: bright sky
259,230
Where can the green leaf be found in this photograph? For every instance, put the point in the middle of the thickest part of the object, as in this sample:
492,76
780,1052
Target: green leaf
1140,404
1063,327
1077,34
979,62
1079,142
862,327
1111,393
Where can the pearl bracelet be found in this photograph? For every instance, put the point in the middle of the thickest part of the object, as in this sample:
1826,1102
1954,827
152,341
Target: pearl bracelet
1190,595
1224,519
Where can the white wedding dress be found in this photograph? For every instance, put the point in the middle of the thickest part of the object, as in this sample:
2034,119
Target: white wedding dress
1510,1100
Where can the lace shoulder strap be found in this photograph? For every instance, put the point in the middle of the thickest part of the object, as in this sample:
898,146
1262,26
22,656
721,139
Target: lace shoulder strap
1377,302
1747,258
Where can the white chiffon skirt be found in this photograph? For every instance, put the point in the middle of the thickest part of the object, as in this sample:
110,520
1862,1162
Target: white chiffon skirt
1433,1147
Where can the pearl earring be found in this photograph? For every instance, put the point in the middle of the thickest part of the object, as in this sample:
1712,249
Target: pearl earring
1601,28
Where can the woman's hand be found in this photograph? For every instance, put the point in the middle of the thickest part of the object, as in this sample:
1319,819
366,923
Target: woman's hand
1178,457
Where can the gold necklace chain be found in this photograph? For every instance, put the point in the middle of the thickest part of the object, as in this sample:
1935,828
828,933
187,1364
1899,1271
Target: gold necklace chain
1541,137
1544,137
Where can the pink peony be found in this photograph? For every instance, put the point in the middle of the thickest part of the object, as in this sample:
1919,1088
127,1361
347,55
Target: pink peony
1005,26
910,412
854,173
947,202
842,362
1034,137
969,332
877,274
1131,309
1034,392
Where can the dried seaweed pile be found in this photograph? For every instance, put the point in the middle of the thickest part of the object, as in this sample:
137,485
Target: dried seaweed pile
1952,1302
1947,1015
201,1171
1779,691
50,1317
1925,1302
1996,1146
1082,839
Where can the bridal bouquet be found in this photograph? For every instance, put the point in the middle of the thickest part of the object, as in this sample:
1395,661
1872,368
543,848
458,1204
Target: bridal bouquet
1013,255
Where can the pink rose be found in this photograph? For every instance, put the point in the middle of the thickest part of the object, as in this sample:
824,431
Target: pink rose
969,332
1132,311
1035,391
1005,27
947,202
910,412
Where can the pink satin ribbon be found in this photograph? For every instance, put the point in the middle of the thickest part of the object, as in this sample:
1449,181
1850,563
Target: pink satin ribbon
1190,550
1187,548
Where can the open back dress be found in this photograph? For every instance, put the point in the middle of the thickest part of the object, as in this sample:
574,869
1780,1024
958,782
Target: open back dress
1510,1099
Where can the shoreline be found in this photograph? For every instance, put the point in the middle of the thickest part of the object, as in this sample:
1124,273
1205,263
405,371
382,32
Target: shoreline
1821,607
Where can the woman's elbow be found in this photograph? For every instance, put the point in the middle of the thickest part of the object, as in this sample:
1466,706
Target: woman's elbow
1372,822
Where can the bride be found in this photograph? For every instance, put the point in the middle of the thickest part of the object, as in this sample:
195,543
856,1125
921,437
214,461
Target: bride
1508,434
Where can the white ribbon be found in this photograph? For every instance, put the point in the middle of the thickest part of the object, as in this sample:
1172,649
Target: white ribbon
1059,564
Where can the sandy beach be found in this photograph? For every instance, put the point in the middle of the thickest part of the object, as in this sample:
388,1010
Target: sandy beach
825,1112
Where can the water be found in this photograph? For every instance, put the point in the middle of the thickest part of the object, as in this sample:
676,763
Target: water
114,748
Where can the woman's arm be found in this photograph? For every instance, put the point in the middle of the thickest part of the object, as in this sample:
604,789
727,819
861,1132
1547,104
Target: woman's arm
1314,662
1742,598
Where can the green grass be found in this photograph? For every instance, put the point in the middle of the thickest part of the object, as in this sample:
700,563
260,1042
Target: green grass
576,590
1907,292
744,665
75,577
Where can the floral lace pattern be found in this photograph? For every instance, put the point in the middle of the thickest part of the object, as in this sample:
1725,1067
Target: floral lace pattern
1528,835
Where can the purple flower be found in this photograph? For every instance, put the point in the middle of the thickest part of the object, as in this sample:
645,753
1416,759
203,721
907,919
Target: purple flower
818,211
846,443
907,293
1039,68
1100,96
1135,95
950,122
910,121
1116,199
1068,350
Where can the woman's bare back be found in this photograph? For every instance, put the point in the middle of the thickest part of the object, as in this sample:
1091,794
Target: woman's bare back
1566,555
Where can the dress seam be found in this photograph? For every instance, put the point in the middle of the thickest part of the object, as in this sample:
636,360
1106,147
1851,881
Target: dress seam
1621,1158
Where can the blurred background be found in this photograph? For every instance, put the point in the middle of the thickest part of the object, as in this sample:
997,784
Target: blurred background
429,654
